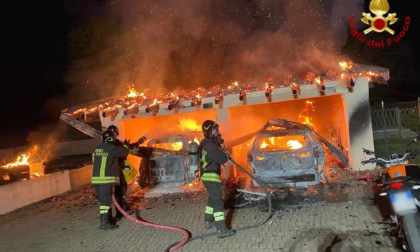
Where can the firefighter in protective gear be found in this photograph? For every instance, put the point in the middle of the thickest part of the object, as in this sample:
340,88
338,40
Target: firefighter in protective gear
121,190
106,175
211,157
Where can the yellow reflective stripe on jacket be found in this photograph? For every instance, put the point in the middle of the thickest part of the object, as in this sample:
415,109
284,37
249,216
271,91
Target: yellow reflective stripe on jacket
102,179
105,180
210,177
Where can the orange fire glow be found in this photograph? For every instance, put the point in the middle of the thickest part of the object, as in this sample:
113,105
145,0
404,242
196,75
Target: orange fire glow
189,124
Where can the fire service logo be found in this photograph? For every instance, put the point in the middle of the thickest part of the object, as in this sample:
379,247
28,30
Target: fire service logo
379,22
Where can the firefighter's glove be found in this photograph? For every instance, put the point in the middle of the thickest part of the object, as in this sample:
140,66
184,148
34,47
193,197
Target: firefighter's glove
141,140
126,143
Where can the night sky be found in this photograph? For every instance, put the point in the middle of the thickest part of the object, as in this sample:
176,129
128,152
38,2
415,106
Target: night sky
57,54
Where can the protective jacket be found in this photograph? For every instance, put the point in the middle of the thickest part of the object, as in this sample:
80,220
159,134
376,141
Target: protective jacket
211,158
105,160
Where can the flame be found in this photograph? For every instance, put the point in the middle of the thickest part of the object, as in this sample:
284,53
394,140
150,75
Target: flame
131,91
175,146
189,124
294,144
305,114
345,65
155,101
234,85
21,160
281,143
263,145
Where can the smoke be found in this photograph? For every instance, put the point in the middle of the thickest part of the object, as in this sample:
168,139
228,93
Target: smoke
165,45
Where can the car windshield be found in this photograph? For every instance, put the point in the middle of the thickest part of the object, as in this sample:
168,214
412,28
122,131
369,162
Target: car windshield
280,143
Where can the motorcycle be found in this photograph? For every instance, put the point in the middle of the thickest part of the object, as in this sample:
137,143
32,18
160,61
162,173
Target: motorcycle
400,181
398,165
401,191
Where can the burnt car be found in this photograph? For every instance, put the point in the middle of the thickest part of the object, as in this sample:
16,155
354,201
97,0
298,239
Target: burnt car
170,159
286,153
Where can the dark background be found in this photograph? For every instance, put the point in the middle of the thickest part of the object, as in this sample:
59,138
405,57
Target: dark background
39,54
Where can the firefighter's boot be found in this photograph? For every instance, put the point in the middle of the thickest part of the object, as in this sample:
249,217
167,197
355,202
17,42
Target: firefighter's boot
105,224
209,225
209,221
222,230
112,220
225,233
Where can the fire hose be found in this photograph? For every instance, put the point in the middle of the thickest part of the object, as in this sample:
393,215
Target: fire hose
180,230
175,246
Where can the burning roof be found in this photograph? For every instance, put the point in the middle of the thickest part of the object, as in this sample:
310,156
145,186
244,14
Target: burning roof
134,100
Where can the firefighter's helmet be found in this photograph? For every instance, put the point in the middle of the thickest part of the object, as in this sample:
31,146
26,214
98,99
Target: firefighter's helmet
210,129
108,136
114,130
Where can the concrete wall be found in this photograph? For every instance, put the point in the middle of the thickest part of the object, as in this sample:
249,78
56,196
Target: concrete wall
22,193
80,177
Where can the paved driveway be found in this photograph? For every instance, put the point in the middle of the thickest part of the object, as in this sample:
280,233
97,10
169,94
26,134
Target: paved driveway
339,216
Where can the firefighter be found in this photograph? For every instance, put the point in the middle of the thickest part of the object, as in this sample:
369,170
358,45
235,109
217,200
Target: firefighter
121,190
212,156
106,175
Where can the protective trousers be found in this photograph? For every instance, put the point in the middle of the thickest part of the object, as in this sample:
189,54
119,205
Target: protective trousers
104,193
215,206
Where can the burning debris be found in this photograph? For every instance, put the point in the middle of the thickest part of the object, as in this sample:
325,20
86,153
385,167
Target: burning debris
26,166
18,170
